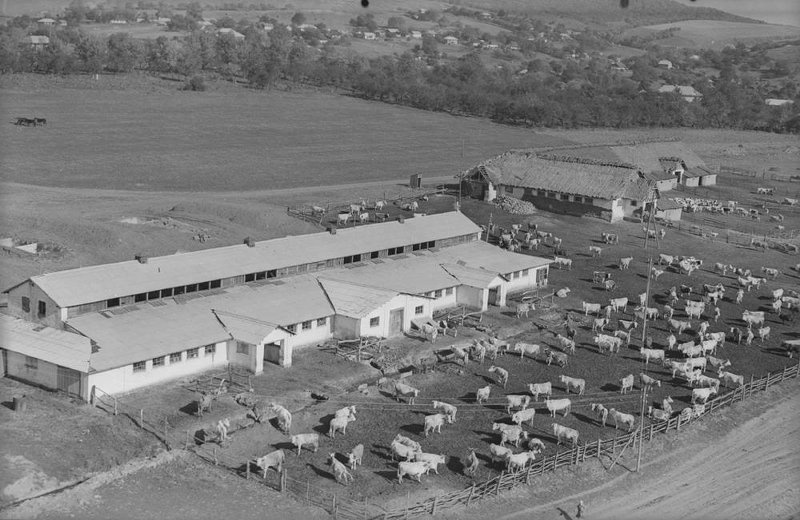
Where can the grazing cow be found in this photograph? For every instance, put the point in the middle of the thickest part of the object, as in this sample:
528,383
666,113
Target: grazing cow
482,395
628,325
536,445
697,363
566,343
753,318
707,382
652,353
412,469
593,308
524,415
434,422
517,401
708,346
472,463
340,471
763,333
559,357
599,323
339,424
690,349
555,405
679,326
668,312
722,268
407,391
540,388
648,382
626,384
347,411
771,272
363,217
448,409
562,262
619,303
523,309
355,456
573,382
694,312
204,403
657,414
610,238
479,351
405,441
564,433
609,343
595,251
601,412
792,347
623,418
656,272
510,433
283,416
461,353
433,460
625,263
410,206
273,459
527,348
777,294
499,452
717,363
402,451
609,285
702,394
665,259
502,375
518,461
304,439
624,336
728,377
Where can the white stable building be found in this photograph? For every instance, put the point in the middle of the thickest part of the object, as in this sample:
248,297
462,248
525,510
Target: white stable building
120,331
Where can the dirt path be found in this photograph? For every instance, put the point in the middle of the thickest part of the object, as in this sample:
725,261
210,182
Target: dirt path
739,464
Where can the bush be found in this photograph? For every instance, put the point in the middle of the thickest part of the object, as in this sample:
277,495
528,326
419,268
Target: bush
195,84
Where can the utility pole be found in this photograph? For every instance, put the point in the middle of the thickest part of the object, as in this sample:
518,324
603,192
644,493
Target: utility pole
649,266
641,430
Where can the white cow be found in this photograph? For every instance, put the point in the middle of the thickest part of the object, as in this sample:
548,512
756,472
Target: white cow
273,459
530,349
763,333
556,405
625,263
595,251
573,382
407,391
599,324
517,401
593,308
564,433
434,422
702,394
448,409
728,377
402,451
623,418
355,456
433,460
619,303
472,463
524,415
283,416
753,318
405,441
518,461
652,353
499,452
601,412
347,411
340,471
339,424
648,381
540,388
482,395
502,374
510,433
304,439
412,469
626,383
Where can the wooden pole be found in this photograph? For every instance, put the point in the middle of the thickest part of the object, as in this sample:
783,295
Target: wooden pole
471,494
215,456
115,406
408,501
141,417
308,490
247,471
433,508
166,425
92,398
751,384
766,383
333,505
499,480
186,447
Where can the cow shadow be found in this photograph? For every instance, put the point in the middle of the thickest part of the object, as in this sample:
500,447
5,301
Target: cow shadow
610,387
455,464
584,418
487,379
382,452
416,429
321,429
286,446
9,404
190,409
321,472
587,280
387,475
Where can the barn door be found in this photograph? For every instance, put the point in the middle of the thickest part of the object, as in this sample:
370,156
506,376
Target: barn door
272,352
493,295
396,322
69,381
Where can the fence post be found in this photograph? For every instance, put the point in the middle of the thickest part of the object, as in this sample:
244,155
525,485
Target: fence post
528,475
115,406
247,471
751,384
166,424
766,383
678,426
308,490
651,432
471,493
433,508
598,448
215,456
186,447
141,417
92,398
333,505
408,499
499,480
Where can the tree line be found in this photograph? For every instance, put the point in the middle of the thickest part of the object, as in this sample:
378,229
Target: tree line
566,93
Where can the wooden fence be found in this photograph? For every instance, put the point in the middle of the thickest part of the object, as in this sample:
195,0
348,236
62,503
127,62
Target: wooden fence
507,481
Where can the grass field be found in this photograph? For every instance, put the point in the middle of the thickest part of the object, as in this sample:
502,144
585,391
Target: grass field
717,34
158,138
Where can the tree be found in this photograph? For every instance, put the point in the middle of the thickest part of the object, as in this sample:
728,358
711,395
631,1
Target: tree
123,52
430,47
397,22
194,11
298,18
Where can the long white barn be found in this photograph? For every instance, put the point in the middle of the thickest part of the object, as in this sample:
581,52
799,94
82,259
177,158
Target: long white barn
132,324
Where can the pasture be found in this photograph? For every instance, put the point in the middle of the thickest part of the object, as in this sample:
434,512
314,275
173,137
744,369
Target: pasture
717,33
154,137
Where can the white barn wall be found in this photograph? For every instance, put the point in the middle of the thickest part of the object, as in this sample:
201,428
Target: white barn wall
472,297
124,379
444,301
45,374
53,315
522,283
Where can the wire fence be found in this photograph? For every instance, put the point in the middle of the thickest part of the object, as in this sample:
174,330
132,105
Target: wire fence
347,508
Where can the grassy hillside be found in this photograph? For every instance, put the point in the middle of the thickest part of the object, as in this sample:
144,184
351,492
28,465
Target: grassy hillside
717,33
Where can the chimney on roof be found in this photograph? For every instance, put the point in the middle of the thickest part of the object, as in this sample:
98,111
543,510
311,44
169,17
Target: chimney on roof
249,242
332,230
142,259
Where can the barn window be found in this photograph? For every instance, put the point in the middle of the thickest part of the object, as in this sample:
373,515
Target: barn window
175,357
525,272
31,362
42,309
321,322
242,348
291,328
158,361
215,284
139,366
375,254
202,286
551,194
211,350
154,295
352,259
166,293
141,297
26,304
113,302
418,310
374,322
431,244
192,287
178,290
578,198
272,273
261,275
437,293
307,325
634,203
250,277
509,189
588,200
192,353
449,291
416,247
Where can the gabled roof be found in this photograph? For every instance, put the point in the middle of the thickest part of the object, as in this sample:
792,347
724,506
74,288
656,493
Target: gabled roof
101,282
562,173
413,273
355,300
46,343
245,328
481,255
471,276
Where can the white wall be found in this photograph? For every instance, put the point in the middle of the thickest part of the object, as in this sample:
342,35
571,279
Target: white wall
310,337
473,297
124,379
444,301
521,283
53,315
617,210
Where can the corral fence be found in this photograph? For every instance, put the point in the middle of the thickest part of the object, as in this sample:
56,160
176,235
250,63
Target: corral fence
507,481
741,172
